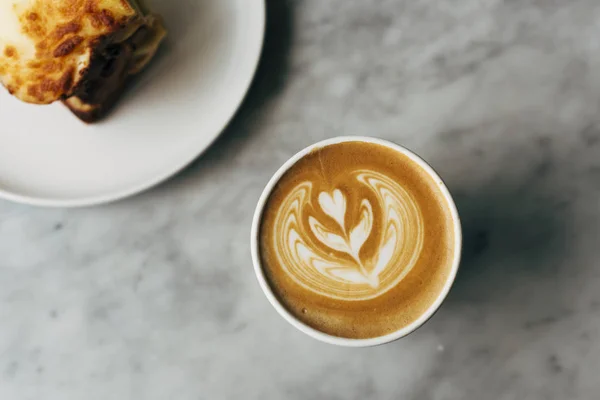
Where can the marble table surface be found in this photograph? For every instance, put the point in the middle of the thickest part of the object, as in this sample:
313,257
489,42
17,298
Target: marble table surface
155,298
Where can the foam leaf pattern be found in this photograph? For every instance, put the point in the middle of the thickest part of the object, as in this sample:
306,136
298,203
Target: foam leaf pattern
334,205
317,265
362,231
386,251
349,275
329,239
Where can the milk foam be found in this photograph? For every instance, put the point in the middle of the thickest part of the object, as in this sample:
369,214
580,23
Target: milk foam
332,265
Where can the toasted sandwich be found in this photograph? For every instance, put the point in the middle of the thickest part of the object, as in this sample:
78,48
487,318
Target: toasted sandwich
81,52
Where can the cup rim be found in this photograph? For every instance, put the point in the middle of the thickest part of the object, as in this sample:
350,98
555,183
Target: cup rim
322,336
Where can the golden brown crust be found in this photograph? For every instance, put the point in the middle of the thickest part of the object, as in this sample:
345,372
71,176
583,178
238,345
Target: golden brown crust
110,68
62,35
11,52
77,51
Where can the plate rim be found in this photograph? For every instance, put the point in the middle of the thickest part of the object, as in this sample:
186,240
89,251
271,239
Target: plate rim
119,195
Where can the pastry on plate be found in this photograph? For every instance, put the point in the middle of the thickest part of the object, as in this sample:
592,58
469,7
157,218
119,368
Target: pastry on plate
81,52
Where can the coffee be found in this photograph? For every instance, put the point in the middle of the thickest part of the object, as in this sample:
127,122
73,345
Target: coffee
357,240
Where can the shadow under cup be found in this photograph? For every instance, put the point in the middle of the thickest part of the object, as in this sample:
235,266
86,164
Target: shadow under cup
422,285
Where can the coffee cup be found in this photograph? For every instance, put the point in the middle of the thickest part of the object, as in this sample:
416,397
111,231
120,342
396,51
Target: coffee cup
356,241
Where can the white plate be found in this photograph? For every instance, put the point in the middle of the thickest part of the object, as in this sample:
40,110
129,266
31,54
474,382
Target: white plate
175,110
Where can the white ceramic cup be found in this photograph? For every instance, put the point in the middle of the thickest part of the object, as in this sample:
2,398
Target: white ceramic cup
264,284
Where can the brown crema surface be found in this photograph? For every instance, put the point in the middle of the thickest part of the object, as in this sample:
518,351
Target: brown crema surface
335,167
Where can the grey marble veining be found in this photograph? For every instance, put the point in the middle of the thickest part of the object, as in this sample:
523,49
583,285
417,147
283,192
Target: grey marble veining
155,298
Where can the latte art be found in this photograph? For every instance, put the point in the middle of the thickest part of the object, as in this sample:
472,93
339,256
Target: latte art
356,239
324,256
